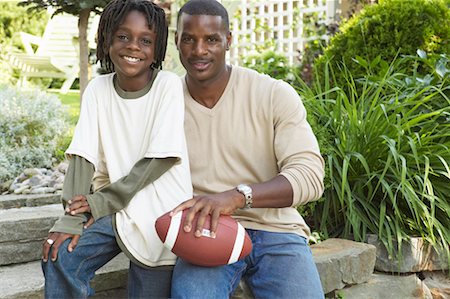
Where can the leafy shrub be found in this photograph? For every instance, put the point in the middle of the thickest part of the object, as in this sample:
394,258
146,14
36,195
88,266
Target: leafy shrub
389,164
271,63
31,126
389,29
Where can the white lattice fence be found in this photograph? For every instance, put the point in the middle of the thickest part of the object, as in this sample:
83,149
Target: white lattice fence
276,24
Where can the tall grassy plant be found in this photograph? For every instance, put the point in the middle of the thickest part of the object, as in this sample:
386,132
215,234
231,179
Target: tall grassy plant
389,166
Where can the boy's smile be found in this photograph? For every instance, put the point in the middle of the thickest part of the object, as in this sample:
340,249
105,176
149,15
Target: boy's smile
131,59
133,51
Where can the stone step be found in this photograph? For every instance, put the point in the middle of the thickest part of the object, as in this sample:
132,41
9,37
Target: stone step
384,286
25,281
340,262
22,231
10,201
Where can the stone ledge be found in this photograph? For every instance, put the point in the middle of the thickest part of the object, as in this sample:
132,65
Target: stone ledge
416,256
23,230
25,281
10,201
383,286
343,262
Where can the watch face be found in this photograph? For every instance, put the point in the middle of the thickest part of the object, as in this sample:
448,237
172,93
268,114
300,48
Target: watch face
244,189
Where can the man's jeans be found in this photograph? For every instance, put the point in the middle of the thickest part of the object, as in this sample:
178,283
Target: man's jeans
70,274
280,266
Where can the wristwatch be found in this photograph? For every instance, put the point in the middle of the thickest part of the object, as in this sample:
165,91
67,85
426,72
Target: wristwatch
247,192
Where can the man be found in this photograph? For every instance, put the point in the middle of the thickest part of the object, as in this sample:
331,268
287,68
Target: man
252,155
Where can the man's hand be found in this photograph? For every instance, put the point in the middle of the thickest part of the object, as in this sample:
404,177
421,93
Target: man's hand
55,240
78,205
224,203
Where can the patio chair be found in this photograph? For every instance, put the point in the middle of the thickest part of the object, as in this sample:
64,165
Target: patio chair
56,54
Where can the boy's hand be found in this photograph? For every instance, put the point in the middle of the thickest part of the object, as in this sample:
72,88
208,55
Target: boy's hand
55,240
78,205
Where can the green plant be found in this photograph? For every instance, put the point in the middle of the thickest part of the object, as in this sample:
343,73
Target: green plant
271,63
313,47
12,22
31,127
389,165
389,29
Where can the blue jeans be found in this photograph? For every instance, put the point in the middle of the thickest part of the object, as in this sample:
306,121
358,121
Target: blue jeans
70,274
280,266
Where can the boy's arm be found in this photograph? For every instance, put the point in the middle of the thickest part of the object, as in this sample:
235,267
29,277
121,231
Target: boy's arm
117,195
77,181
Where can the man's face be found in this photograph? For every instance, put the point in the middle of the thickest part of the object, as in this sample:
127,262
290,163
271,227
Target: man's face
202,42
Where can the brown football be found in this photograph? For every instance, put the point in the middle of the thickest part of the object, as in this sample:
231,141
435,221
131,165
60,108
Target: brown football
231,243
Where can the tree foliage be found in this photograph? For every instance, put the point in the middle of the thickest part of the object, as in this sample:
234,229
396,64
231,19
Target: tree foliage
82,9
69,6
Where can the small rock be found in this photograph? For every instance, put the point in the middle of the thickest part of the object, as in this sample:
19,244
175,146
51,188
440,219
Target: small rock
13,187
62,167
42,190
21,189
22,177
58,186
37,180
29,172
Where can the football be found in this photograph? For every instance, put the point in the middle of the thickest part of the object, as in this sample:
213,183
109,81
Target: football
231,243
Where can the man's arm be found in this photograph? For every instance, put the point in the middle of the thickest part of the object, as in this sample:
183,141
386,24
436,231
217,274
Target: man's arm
300,177
275,193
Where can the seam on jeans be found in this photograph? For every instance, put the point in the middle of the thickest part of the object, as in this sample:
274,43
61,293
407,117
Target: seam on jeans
96,254
238,275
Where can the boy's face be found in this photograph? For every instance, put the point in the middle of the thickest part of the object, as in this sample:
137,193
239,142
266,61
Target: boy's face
202,42
133,50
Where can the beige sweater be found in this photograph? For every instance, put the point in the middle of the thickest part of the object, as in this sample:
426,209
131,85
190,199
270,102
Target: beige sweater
256,131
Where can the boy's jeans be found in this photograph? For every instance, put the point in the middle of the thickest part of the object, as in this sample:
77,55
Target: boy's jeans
70,274
280,266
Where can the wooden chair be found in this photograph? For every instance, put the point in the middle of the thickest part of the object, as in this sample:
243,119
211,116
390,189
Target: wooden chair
55,54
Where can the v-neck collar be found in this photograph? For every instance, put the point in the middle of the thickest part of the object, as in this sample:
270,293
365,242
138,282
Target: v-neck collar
221,100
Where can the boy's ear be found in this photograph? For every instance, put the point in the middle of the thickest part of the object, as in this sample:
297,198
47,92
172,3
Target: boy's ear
176,39
229,39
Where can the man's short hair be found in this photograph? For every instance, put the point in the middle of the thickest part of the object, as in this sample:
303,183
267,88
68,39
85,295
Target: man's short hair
205,7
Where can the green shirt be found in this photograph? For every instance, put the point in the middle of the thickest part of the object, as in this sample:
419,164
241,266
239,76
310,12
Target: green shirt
110,199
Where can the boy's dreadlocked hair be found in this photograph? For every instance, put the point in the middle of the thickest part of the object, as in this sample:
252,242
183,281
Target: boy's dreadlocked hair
113,16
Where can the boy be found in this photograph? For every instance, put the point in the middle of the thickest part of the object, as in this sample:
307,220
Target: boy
130,128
